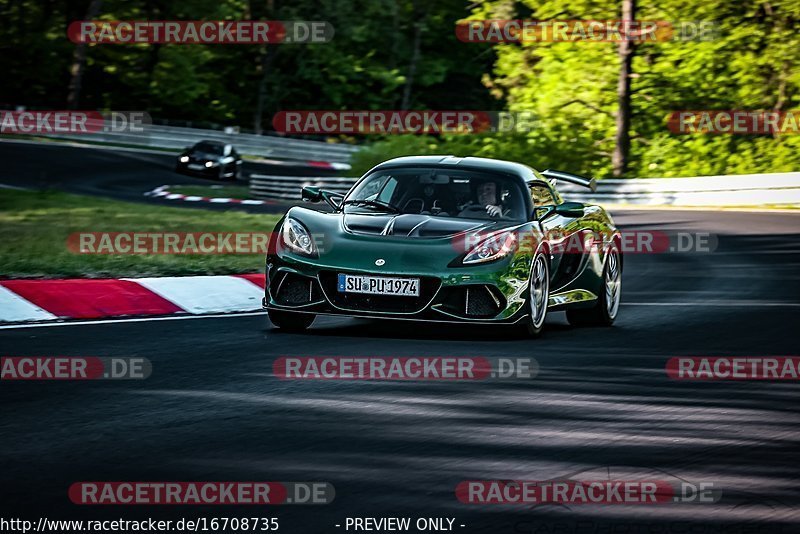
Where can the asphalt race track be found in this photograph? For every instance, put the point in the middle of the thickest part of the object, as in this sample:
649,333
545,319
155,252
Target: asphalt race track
601,406
118,174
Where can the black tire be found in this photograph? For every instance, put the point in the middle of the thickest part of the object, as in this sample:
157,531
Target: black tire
602,314
290,321
538,295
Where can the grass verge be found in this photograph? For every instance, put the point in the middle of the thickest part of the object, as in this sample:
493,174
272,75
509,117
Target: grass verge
35,226
212,191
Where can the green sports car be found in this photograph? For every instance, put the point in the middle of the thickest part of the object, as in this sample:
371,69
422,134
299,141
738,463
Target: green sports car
448,239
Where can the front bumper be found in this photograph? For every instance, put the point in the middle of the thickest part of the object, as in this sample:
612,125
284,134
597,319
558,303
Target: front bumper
487,294
209,172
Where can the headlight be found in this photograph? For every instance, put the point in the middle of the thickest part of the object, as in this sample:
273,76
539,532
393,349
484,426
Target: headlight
492,248
295,236
210,164
184,159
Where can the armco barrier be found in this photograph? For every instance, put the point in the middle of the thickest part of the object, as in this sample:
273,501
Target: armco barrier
734,190
288,187
731,190
171,137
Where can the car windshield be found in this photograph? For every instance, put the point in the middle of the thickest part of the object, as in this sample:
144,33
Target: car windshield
439,193
209,148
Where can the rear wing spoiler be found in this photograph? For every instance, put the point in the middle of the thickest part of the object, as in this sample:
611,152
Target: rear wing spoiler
591,183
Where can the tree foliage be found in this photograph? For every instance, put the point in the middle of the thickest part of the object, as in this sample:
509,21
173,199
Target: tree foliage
364,67
751,63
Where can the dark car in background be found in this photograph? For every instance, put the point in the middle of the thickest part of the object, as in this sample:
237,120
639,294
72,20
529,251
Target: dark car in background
211,159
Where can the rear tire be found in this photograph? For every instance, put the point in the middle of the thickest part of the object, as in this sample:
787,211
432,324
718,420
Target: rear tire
290,321
538,295
605,310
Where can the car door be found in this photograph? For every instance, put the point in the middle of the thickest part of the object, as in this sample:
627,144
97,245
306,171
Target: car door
562,231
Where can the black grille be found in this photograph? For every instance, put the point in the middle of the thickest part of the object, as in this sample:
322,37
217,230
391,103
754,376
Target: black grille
295,290
478,301
428,286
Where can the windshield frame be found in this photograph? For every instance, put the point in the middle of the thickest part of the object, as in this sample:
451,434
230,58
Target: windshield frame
202,145
513,178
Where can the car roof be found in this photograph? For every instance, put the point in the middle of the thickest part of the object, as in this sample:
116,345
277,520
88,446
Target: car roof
483,164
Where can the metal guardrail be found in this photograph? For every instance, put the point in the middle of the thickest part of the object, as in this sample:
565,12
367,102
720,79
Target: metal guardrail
171,137
734,190
730,190
288,187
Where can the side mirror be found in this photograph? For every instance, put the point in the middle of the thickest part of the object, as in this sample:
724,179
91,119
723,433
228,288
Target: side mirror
570,209
566,209
311,194
315,194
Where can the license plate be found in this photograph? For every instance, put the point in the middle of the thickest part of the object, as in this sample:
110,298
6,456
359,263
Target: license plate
378,285
196,167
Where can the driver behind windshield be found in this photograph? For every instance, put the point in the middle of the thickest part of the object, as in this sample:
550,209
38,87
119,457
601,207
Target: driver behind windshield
486,197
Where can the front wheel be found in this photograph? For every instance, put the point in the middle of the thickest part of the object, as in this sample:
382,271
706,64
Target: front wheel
290,321
539,295
605,311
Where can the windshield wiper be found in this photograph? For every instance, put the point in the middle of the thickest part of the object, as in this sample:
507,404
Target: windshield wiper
372,203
